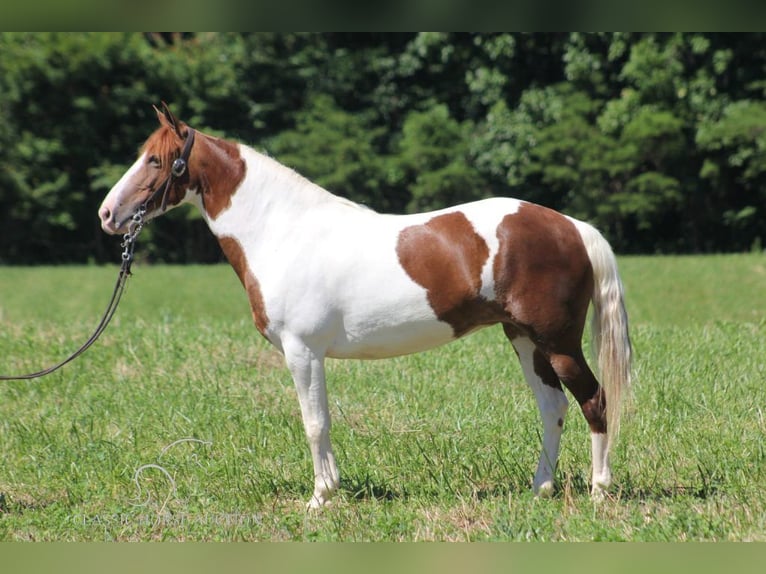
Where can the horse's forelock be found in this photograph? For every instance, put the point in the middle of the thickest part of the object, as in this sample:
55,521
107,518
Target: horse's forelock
165,144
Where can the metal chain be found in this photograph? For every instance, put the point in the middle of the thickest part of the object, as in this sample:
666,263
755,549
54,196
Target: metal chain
129,239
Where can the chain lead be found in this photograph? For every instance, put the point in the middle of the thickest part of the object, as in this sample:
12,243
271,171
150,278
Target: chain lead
129,239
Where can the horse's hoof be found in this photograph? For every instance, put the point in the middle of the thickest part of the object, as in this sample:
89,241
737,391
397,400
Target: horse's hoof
318,503
545,490
598,493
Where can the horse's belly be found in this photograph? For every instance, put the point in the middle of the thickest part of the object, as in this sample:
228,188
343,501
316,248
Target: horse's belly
391,340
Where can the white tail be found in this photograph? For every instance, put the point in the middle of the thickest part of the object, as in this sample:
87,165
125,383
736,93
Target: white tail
611,341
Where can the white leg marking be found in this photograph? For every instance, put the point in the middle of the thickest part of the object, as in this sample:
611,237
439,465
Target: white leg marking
307,369
602,474
553,406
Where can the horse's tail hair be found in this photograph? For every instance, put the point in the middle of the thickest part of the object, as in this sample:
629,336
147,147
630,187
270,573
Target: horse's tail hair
611,340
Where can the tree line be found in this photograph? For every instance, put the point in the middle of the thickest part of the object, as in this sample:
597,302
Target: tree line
657,139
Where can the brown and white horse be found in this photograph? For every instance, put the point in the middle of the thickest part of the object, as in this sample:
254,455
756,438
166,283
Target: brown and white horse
326,277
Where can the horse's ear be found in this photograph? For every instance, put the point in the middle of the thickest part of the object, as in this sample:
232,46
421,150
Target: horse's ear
160,115
166,117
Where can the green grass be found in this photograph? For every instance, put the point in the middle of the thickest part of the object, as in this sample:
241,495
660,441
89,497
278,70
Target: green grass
182,424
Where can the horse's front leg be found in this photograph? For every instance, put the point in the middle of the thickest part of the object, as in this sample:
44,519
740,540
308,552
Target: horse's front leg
307,369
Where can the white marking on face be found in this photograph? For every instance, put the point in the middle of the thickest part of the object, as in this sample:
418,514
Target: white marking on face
124,199
113,212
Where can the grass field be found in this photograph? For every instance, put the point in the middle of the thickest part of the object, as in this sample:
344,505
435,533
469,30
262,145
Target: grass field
182,424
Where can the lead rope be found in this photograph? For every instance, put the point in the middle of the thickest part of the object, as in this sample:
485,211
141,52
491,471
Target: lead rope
128,245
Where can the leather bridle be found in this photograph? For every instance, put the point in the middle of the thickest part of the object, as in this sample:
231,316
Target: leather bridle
177,169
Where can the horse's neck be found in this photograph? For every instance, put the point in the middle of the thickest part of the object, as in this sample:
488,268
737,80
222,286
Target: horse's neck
273,199
280,186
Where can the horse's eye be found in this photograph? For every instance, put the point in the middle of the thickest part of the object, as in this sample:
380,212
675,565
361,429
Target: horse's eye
154,161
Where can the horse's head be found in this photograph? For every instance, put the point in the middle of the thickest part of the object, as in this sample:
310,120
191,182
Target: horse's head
159,179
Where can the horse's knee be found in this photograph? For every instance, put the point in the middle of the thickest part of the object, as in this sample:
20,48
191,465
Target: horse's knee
559,406
594,410
579,379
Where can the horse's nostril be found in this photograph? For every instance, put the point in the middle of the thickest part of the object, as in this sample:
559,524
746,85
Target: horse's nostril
104,213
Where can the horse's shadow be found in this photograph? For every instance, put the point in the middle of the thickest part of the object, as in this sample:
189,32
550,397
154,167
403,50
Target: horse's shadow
365,488
644,493
362,489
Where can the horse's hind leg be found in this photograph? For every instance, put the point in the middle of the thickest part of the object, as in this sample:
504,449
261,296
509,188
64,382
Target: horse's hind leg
552,403
574,372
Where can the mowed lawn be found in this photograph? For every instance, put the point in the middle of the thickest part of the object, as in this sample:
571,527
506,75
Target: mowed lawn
181,423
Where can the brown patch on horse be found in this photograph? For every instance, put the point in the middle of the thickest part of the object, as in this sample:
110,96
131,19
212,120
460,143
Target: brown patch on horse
543,276
236,256
446,256
543,369
217,169
594,410
575,374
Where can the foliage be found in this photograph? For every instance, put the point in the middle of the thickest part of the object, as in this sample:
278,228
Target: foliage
656,138
335,149
433,161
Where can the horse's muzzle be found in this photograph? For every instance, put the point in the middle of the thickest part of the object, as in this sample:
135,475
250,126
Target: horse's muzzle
108,222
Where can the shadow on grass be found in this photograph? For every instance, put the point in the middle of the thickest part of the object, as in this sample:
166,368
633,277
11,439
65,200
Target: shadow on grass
366,489
19,502
638,493
643,493
363,488
577,486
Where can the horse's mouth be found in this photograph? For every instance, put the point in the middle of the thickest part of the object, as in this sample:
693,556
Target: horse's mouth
111,223
112,227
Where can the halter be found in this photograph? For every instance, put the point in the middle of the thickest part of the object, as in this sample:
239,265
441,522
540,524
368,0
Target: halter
179,167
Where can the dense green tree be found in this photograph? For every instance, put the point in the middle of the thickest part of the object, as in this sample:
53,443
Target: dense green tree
734,170
433,161
656,138
335,149
67,103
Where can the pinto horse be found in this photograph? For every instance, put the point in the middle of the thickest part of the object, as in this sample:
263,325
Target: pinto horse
326,277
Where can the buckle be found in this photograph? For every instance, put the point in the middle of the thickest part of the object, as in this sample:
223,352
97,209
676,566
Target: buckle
178,168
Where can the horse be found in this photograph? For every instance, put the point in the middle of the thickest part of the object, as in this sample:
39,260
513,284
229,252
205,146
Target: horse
327,277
